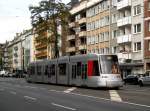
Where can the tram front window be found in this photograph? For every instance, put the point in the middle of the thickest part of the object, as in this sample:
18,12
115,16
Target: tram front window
109,64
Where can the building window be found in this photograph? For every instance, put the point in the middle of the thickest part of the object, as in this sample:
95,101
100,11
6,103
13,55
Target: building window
149,26
149,45
137,28
114,18
62,69
137,9
114,50
106,36
148,5
137,46
114,34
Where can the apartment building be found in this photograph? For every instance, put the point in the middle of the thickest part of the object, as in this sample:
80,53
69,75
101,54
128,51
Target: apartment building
109,27
1,56
10,56
17,52
44,41
5,56
130,39
147,34
98,27
27,49
77,30
40,42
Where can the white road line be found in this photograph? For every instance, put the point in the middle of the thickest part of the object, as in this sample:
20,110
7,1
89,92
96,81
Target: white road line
114,96
31,87
30,98
130,103
70,90
135,104
58,105
12,92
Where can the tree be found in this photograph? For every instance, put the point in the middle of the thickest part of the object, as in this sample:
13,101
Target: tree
52,13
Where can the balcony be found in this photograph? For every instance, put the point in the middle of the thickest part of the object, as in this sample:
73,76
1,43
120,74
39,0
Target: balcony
124,55
41,46
71,49
82,47
123,3
41,53
70,37
72,24
124,39
39,38
82,33
83,20
124,21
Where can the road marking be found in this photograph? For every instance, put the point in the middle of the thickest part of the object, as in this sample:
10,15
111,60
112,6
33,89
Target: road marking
114,96
70,90
135,104
58,105
30,98
12,92
94,97
31,87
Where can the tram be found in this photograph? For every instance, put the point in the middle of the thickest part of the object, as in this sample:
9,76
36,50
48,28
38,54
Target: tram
91,70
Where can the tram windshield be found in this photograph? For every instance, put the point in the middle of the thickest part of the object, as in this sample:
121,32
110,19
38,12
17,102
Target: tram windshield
109,64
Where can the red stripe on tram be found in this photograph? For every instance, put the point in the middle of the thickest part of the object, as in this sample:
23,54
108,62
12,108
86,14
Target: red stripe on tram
90,68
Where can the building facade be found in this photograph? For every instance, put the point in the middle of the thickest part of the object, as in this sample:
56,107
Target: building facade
1,56
27,50
10,56
5,56
44,40
109,27
147,34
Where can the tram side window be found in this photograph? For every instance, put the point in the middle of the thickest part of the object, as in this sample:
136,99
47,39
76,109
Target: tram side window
49,71
32,70
46,70
84,71
95,69
52,68
62,69
74,73
39,70
79,68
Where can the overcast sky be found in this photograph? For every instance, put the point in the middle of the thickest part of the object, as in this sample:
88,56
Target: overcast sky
15,17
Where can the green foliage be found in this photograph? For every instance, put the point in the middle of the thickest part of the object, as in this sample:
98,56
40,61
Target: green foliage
52,13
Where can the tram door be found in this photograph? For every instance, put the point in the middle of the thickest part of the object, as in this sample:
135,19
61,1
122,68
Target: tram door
73,71
84,73
39,76
76,76
45,74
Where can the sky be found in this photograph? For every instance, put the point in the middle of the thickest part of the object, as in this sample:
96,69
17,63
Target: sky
15,17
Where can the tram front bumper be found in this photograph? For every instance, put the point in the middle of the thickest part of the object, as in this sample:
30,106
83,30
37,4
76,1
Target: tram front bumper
112,84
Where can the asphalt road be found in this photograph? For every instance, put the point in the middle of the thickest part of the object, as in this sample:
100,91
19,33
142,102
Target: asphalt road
17,95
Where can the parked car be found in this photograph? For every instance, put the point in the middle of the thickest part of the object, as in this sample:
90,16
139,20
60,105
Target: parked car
131,79
3,73
144,80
